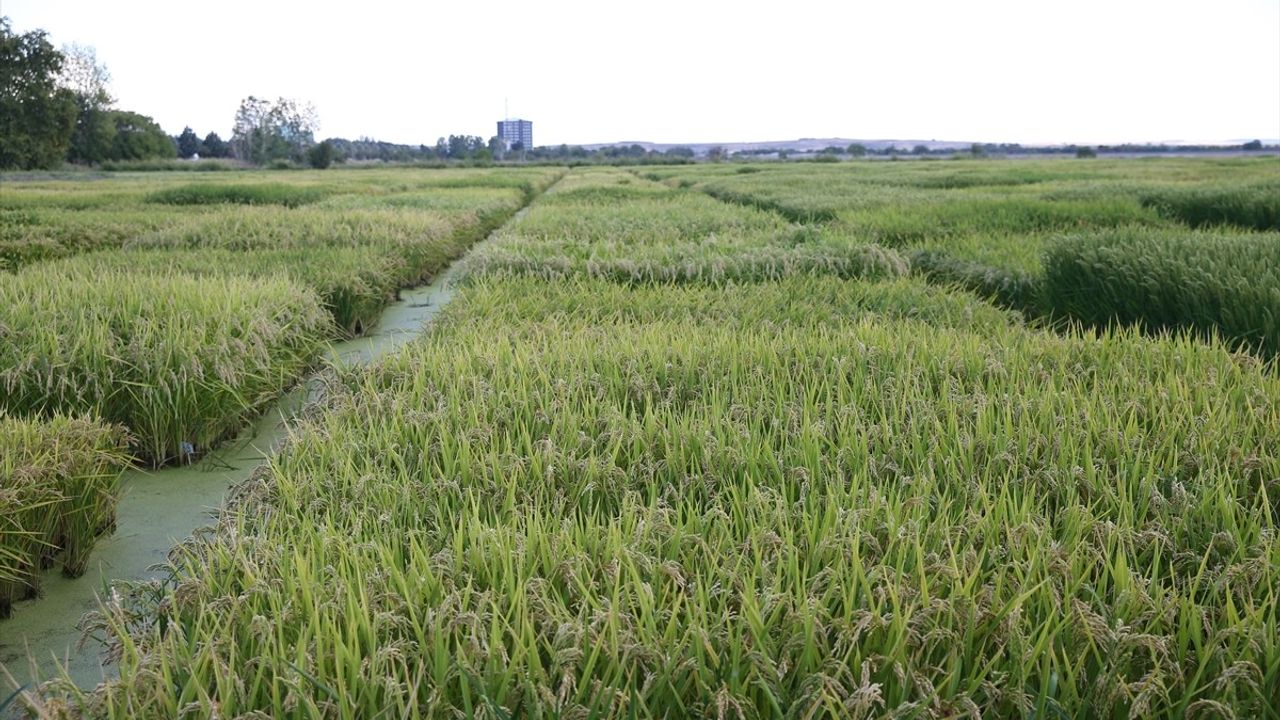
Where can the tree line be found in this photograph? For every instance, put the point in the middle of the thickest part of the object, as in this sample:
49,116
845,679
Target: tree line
55,108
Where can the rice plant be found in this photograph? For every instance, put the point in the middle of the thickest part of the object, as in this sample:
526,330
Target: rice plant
354,284
180,361
58,487
1251,207
647,233
424,241
1214,283
663,515
286,194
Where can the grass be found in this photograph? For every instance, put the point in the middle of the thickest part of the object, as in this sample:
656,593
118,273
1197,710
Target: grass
1214,283
550,508
58,487
177,360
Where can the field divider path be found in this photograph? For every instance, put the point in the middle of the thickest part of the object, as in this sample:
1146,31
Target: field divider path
160,508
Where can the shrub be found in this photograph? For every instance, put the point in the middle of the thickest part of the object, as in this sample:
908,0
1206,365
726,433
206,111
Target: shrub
320,156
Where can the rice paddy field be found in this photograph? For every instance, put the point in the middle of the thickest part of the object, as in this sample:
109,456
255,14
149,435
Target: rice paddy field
920,439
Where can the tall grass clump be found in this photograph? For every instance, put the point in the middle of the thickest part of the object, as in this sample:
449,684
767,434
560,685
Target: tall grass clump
58,487
1213,283
1252,207
288,195
180,361
670,517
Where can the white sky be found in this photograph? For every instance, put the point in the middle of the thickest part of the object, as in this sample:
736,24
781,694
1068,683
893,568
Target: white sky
1027,71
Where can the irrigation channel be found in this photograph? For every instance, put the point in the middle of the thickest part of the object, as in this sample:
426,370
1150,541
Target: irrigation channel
158,509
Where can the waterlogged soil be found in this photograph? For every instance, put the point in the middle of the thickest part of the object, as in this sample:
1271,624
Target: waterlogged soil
160,508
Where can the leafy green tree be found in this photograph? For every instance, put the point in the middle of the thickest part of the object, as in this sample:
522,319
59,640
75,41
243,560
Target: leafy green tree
37,116
320,156
138,137
214,147
1084,151
94,137
1252,145
188,143
857,150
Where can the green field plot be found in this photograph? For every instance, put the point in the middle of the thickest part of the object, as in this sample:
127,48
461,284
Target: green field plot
175,359
623,502
976,438
613,225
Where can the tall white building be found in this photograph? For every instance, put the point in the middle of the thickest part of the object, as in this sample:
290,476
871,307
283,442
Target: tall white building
511,132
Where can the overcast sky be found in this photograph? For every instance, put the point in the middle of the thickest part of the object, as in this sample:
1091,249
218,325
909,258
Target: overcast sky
1085,71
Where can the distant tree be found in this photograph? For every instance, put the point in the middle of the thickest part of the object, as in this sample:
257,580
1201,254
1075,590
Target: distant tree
977,150
717,153
680,151
188,143
857,150
94,138
1252,145
920,149
497,148
138,137
214,147
264,132
37,116
320,156
1084,151
832,150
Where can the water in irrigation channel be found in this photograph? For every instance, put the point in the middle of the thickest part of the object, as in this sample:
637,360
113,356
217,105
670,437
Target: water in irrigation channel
160,508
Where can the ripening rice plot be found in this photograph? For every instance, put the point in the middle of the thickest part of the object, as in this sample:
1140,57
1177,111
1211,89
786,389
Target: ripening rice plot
179,361
599,500
1214,283
354,284
613,225
423,241
32,235
58,487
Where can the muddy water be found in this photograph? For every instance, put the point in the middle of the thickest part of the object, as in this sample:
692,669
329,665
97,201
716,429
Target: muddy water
159,508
